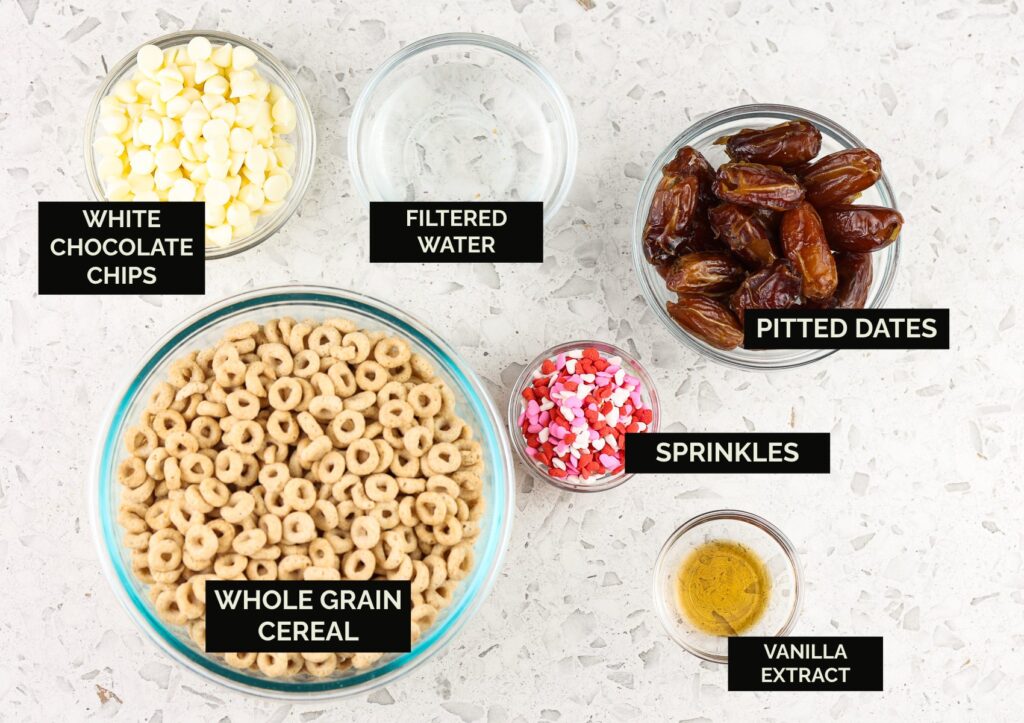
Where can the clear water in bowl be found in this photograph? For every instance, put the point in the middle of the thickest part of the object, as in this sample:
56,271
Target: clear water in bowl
462,123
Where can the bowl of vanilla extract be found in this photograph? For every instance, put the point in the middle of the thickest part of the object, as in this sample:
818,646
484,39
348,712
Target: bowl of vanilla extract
722,574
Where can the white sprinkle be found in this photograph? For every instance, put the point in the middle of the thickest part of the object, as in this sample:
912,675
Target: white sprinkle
619,377
570,366
612,418
542,435
567,413
555,461
619,397
598,445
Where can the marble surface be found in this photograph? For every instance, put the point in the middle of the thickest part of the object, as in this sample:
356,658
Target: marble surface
914,535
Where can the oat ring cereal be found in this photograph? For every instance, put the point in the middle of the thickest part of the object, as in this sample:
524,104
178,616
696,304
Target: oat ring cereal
300,450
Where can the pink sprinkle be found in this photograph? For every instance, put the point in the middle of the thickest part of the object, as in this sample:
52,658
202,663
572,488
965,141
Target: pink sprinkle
609,461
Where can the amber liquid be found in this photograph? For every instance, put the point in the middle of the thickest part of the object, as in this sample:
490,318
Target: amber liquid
723,588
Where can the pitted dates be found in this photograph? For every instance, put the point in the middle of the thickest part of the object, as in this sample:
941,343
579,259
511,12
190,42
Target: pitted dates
771,229
787,144
803,240
775,287
758,185
705,272
708,319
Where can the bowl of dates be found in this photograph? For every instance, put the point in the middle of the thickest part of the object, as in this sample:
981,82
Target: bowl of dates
763,207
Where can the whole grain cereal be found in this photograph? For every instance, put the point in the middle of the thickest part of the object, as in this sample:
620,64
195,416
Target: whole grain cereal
300,450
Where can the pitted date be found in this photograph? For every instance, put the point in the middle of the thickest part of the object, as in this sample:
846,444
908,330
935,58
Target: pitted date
707,319
705,272
861,229
838,176
803,240
755,184
787,144
688,161
672,212
677,220
775,287
854,280
745,231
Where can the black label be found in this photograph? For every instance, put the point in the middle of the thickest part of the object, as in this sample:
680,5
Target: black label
846,329
696,453
805,663
315,616
121,248
435,232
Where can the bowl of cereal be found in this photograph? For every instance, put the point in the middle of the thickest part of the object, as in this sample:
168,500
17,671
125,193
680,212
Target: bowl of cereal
220,459
202,115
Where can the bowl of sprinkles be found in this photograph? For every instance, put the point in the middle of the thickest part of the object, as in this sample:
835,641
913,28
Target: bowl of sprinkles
570,411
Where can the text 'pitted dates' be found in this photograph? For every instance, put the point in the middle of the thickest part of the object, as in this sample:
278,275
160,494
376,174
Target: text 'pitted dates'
846,329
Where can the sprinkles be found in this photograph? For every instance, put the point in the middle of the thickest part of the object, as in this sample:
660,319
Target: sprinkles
577,411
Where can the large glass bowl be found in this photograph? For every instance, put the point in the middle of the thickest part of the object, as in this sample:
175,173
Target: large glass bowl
303,138
204,328
702,136
463,117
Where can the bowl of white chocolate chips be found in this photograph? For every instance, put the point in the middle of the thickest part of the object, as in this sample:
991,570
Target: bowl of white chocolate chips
204,116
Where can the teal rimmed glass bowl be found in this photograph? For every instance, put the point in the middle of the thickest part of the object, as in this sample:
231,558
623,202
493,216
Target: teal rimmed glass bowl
205,327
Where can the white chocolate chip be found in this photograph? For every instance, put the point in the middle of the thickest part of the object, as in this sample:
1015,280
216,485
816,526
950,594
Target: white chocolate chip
276,187
182,190
243,58
199,48
150,58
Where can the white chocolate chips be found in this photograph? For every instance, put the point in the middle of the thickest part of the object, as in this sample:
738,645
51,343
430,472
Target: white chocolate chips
197,122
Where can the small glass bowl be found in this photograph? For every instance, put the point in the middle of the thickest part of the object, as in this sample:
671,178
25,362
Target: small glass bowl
702,136
303,138
761,537
204,328
516,407
463,117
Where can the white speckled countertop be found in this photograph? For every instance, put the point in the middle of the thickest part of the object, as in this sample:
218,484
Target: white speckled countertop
914,535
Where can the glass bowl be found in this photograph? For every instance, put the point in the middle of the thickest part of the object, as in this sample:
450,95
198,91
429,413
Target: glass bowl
516,407
702,136
206,326
463,117
758,535
303,138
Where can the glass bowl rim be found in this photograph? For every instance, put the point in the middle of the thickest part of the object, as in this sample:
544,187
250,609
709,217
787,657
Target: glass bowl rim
106,536
783,112
784,543
303,173
512,414
567,120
